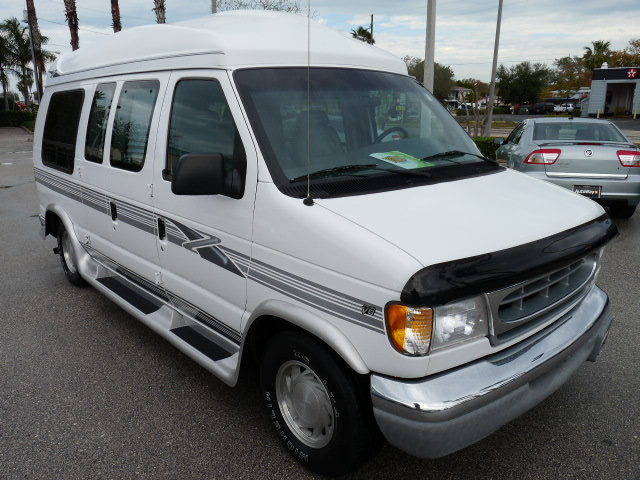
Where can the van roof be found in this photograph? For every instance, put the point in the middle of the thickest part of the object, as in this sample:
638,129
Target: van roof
233,39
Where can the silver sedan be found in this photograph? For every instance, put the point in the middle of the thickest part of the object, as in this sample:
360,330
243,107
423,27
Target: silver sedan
591,157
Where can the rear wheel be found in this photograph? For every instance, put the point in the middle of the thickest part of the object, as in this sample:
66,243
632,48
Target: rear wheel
623,211
317,407
68,258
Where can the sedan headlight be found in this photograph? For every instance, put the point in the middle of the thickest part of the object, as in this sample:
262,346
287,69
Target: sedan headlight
417,330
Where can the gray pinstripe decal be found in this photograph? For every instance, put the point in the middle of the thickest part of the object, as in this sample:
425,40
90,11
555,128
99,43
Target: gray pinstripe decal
312,294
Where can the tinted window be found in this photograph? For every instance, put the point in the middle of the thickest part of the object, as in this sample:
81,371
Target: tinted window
201,122
97,126
570,131
516,132
131,125
61,129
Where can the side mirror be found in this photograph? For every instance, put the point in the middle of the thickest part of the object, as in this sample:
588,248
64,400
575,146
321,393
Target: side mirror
196,174
499,141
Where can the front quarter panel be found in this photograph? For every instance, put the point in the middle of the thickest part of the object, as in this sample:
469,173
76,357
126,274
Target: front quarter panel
309,260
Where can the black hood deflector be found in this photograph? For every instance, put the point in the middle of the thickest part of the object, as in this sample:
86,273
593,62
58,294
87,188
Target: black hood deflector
441,283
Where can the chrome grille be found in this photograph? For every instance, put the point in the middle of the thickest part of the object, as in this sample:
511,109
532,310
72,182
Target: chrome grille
525,305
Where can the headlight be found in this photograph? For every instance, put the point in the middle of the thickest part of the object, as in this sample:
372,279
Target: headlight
459,321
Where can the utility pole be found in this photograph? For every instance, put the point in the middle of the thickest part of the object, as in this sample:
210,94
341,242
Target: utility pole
430,41
492,88
371,27
33,56
214,6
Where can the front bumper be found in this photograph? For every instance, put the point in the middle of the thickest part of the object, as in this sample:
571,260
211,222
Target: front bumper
441,414
613,190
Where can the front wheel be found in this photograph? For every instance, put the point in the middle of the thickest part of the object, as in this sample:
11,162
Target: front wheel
317,407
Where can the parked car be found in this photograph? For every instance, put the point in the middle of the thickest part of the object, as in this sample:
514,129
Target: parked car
589,156
244,203
542,108
563,107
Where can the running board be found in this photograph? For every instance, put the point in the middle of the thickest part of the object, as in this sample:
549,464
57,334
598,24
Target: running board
201,343
145,303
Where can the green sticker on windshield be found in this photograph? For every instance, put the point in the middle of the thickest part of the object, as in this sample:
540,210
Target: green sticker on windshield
400,159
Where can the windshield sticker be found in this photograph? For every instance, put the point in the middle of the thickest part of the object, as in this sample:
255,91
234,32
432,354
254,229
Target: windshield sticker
403,160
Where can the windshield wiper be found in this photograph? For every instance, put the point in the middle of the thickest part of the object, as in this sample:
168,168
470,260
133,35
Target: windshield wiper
340,169
455,153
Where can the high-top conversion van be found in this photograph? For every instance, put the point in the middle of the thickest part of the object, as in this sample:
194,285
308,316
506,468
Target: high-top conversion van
248,188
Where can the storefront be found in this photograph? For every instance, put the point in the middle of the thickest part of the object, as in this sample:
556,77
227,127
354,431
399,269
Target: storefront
615,91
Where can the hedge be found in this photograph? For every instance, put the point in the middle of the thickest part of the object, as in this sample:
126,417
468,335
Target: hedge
13,118
487,146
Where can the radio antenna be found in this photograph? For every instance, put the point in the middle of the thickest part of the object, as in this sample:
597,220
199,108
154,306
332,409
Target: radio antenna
308,200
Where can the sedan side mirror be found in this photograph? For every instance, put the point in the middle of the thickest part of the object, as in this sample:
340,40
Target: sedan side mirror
197,174
499,141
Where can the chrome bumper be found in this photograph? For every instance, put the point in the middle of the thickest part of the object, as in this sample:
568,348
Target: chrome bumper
441,414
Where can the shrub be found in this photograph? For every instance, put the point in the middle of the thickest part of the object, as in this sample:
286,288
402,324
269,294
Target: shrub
502,110
487,146
14,118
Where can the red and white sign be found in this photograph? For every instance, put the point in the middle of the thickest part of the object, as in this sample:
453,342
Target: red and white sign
632,73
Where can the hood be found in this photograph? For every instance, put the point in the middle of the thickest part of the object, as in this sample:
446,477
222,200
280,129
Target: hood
463,218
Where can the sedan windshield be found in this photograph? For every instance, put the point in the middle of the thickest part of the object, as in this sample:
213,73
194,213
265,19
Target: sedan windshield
577,131
336,123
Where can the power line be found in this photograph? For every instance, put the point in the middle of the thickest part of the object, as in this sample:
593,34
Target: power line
81,28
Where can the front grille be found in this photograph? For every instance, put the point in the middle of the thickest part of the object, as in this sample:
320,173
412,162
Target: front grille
521,307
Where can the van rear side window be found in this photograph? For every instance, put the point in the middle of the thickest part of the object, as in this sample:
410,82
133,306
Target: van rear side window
97,126
61,129
130,132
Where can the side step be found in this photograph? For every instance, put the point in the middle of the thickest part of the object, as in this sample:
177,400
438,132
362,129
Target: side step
145,304
201,343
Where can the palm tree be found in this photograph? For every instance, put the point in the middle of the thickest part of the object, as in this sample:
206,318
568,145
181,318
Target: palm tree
72,20
597,54
363,34
20,48
37,43
160,10
6,62
115,16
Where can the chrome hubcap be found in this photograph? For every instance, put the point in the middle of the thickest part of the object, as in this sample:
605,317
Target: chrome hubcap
304,404
67,252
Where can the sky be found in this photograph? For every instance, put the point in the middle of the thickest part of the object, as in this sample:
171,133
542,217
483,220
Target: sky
534,30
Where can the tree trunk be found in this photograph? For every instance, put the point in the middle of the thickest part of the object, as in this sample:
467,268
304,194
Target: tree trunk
4,90
37,43
25,88
115,16
72,20
160,11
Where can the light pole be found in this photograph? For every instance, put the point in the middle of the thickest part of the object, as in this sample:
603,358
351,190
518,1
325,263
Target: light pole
492,88
214,6
430,41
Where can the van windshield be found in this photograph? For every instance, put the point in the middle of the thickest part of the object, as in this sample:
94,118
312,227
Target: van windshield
572,131
347,125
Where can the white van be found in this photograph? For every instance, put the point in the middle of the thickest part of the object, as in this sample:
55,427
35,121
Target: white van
317,210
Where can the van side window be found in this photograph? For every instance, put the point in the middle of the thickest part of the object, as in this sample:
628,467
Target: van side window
130,132
97,126
61,129
201,122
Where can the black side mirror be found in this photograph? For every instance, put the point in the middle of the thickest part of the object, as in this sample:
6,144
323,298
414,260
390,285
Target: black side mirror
196,174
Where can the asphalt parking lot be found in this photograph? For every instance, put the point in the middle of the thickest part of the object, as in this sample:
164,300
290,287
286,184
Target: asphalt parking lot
86,391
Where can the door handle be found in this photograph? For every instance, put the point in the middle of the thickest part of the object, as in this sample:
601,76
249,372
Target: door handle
162,230
114,211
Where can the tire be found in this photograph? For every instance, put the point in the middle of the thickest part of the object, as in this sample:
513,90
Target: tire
351,437
67,259
623,211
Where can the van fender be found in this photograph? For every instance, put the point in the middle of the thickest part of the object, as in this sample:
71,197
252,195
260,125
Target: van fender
81,255
312,324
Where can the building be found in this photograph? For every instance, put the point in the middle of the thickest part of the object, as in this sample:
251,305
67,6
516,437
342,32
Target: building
615,91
